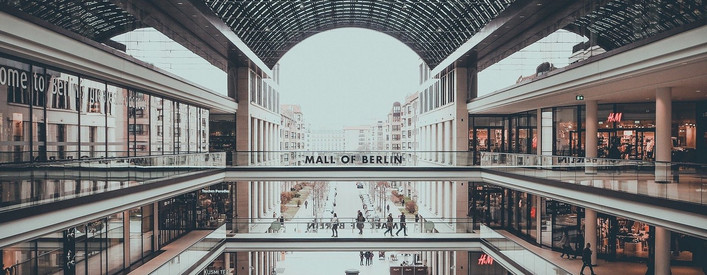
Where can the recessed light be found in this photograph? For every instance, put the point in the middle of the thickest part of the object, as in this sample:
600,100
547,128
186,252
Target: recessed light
540,4
179,3
698,91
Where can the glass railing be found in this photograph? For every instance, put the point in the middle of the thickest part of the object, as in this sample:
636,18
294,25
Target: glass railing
351,158
350,227
519,255
50,182
193,255
673,181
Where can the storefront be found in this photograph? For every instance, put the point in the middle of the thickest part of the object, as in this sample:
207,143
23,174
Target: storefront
625,131
53,114
515,133
504,208
618,238
215,205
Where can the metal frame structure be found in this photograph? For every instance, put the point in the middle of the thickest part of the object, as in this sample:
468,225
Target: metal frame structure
434,29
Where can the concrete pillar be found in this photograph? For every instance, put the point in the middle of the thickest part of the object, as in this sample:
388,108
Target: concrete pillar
126,238
261,140
448,200
591,125
266,199
539,136
662,251
243,207
155,226
243,262
440,197
461,258
253,145
663,144
538,218
461,197
253,195
590,232
266,140
448,139
261,193
439,137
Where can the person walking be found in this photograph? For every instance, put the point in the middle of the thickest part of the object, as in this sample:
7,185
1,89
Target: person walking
402,226
305,204
359,222
587,259
565,245
389,225
361,256
335,226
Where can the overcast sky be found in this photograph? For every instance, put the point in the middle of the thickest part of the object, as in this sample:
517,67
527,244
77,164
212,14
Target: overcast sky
347,77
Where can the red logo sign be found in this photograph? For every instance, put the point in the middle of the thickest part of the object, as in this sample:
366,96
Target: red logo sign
614,117
485,260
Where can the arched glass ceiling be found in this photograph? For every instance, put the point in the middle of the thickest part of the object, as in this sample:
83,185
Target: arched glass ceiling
96,20
621,22
432,28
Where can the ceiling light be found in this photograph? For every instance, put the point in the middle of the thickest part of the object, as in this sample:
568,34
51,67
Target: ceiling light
698,91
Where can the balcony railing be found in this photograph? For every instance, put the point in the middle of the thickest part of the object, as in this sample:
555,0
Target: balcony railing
41,183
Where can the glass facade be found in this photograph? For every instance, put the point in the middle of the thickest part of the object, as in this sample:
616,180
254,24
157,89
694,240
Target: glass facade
625,131
95,247
69,116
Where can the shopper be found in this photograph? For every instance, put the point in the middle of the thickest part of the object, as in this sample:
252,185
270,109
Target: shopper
402,226
359,222
361,256
389,225
335,226
587,259
565,245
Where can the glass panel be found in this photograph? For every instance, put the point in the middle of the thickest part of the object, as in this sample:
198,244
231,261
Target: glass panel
204,128
139,124
40,85
62,116
169,123
193,130
15,81
117,121
93,119
135,234
157,127
565,126
115,243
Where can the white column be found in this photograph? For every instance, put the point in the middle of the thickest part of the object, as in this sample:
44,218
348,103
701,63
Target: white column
448,202
590,232
254,140
439,137
266,195
662,251
663,144
261,194
439,210
266,140
253,200
260,135
591,140
448,140
428,142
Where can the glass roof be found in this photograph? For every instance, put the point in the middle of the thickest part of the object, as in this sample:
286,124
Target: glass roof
621,22
431,28
97,20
